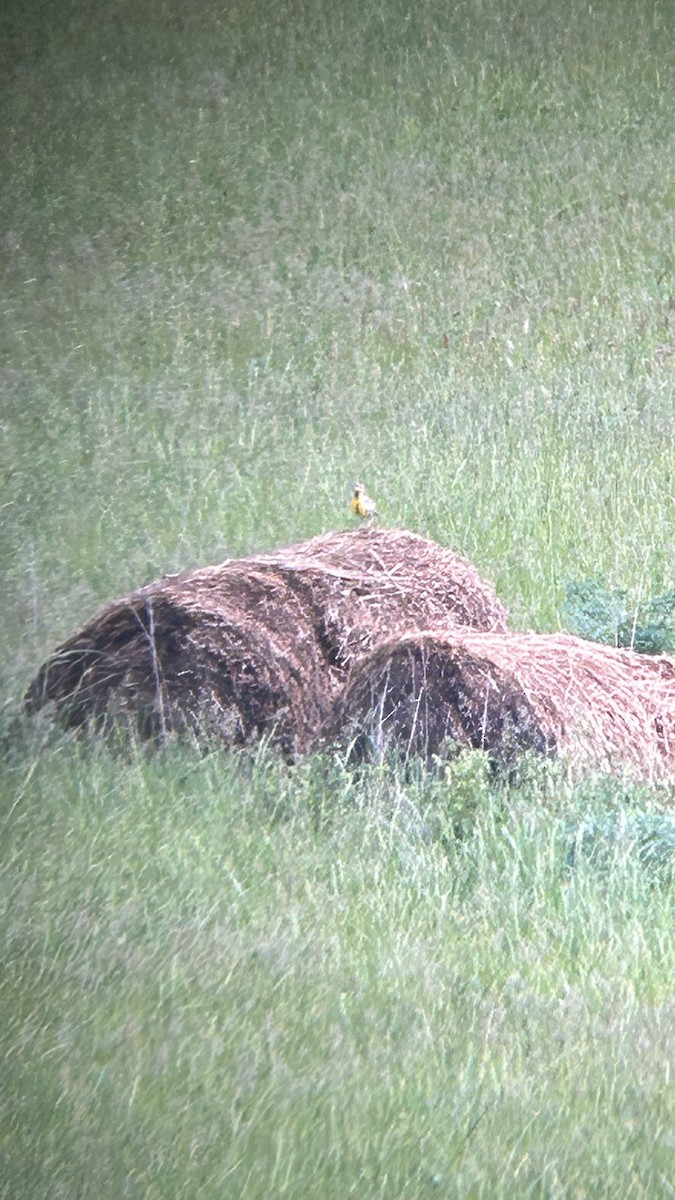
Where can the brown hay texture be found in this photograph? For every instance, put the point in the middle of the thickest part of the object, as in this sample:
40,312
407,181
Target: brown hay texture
259,646
427,693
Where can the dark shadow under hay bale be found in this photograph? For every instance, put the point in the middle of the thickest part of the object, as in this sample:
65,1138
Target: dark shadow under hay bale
259,646
427,693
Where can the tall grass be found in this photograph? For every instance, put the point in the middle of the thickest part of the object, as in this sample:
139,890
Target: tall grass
243,254
228,978
248,252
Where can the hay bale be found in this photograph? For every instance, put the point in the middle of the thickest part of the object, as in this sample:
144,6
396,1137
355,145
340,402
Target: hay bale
259,646
427,693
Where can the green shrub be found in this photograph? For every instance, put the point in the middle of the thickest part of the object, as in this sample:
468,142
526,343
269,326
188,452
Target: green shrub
595,611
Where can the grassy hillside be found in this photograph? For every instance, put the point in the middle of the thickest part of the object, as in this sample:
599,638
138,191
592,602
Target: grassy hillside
248,252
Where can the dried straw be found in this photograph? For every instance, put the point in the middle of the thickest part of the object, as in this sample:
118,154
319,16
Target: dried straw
601,708
259,646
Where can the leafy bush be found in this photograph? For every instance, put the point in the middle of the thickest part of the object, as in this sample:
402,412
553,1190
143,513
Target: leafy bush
600,613
645,838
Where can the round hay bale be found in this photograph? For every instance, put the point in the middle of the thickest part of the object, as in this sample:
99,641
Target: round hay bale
259,646
425,693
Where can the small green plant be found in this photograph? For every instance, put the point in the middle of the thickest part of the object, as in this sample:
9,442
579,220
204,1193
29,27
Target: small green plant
604,840
601,613
621,825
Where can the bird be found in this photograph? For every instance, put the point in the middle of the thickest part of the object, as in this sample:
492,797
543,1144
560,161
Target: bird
362,505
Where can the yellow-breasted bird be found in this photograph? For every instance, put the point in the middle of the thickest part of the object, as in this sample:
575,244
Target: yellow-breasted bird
362,505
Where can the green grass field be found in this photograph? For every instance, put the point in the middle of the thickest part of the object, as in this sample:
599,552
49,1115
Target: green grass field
248,252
